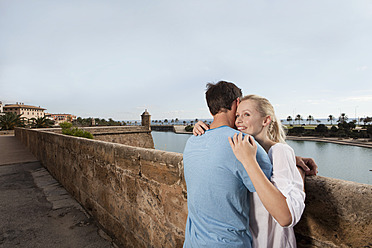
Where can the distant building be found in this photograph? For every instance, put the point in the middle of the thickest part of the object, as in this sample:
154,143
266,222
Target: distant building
59,118
26,111
1,108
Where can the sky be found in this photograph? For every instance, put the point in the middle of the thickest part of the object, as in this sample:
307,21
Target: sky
114,59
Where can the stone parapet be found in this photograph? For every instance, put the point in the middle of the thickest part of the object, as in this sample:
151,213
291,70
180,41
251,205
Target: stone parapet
337,214
139,136
138,195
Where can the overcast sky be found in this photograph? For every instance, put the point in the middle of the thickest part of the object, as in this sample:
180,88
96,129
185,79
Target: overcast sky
117,58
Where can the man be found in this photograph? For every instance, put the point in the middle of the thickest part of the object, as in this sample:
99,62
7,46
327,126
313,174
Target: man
217,183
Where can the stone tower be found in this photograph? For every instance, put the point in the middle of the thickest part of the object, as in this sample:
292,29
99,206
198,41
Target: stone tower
146,119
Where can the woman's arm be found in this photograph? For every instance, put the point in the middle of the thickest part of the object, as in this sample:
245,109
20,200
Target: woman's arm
287,179
274,201
199,128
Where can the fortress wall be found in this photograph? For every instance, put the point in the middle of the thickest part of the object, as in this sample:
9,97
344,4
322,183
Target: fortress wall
337,214
136,194
139,195
139,136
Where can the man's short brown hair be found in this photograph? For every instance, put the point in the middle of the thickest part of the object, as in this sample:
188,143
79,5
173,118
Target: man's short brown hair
221,95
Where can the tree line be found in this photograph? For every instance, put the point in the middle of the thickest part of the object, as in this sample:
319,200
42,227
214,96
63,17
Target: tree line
341,119
9,121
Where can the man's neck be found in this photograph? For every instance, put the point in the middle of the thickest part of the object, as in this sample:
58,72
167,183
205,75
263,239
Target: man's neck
222,119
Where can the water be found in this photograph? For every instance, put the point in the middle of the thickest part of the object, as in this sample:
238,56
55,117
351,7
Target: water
316,121
345,162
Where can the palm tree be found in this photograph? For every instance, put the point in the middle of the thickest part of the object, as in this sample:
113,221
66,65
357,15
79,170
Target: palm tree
310,118
11,120
366,120
41,122
289,119
342,118
299,119
331,118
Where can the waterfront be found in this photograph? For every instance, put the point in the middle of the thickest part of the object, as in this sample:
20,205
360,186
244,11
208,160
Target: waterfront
345,162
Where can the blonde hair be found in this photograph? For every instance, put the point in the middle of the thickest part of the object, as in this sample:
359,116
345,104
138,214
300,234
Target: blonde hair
276,131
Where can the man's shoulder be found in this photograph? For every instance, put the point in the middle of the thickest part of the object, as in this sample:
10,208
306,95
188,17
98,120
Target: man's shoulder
213,139
223,131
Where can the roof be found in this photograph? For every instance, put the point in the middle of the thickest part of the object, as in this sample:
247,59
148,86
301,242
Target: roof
21,106
61,114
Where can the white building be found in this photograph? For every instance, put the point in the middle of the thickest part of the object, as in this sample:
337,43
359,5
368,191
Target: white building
26,111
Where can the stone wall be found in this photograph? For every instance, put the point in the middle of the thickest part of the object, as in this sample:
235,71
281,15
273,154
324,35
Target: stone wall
136,194
337,214
139,195
139,136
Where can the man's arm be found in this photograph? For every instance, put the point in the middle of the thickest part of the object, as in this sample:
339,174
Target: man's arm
308,165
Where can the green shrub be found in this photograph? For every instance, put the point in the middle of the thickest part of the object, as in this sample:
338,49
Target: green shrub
189,128
334,129
65,125
296,131
77,132
321,128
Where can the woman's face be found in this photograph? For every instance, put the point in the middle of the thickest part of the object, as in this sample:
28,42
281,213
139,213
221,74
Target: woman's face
248,119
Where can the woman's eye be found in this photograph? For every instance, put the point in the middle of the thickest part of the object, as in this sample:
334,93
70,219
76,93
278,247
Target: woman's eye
246,114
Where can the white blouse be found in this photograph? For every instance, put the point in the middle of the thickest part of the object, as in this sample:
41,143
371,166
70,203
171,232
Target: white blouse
266,232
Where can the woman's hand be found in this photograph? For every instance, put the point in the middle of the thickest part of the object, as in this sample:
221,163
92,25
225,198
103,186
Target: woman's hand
199,128
244,148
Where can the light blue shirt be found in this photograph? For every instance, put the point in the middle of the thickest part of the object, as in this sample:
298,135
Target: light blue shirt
217,191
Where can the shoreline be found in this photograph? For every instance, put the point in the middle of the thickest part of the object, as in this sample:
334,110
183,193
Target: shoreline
347,141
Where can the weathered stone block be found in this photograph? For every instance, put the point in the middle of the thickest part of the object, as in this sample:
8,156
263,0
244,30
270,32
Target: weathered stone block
160,172
127,158
175,206
87,166
148,200
101,172
130,189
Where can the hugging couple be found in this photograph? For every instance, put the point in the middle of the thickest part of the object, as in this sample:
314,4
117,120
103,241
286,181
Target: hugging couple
243,186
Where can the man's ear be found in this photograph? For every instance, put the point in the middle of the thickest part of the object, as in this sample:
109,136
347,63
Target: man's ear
237,101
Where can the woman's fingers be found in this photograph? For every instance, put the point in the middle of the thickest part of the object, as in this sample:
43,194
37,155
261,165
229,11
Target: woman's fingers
231,143
238,140
235,139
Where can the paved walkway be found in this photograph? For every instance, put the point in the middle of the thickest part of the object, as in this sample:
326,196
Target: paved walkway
35,210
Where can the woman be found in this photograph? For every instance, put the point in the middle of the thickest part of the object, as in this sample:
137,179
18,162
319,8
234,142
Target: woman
278,203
